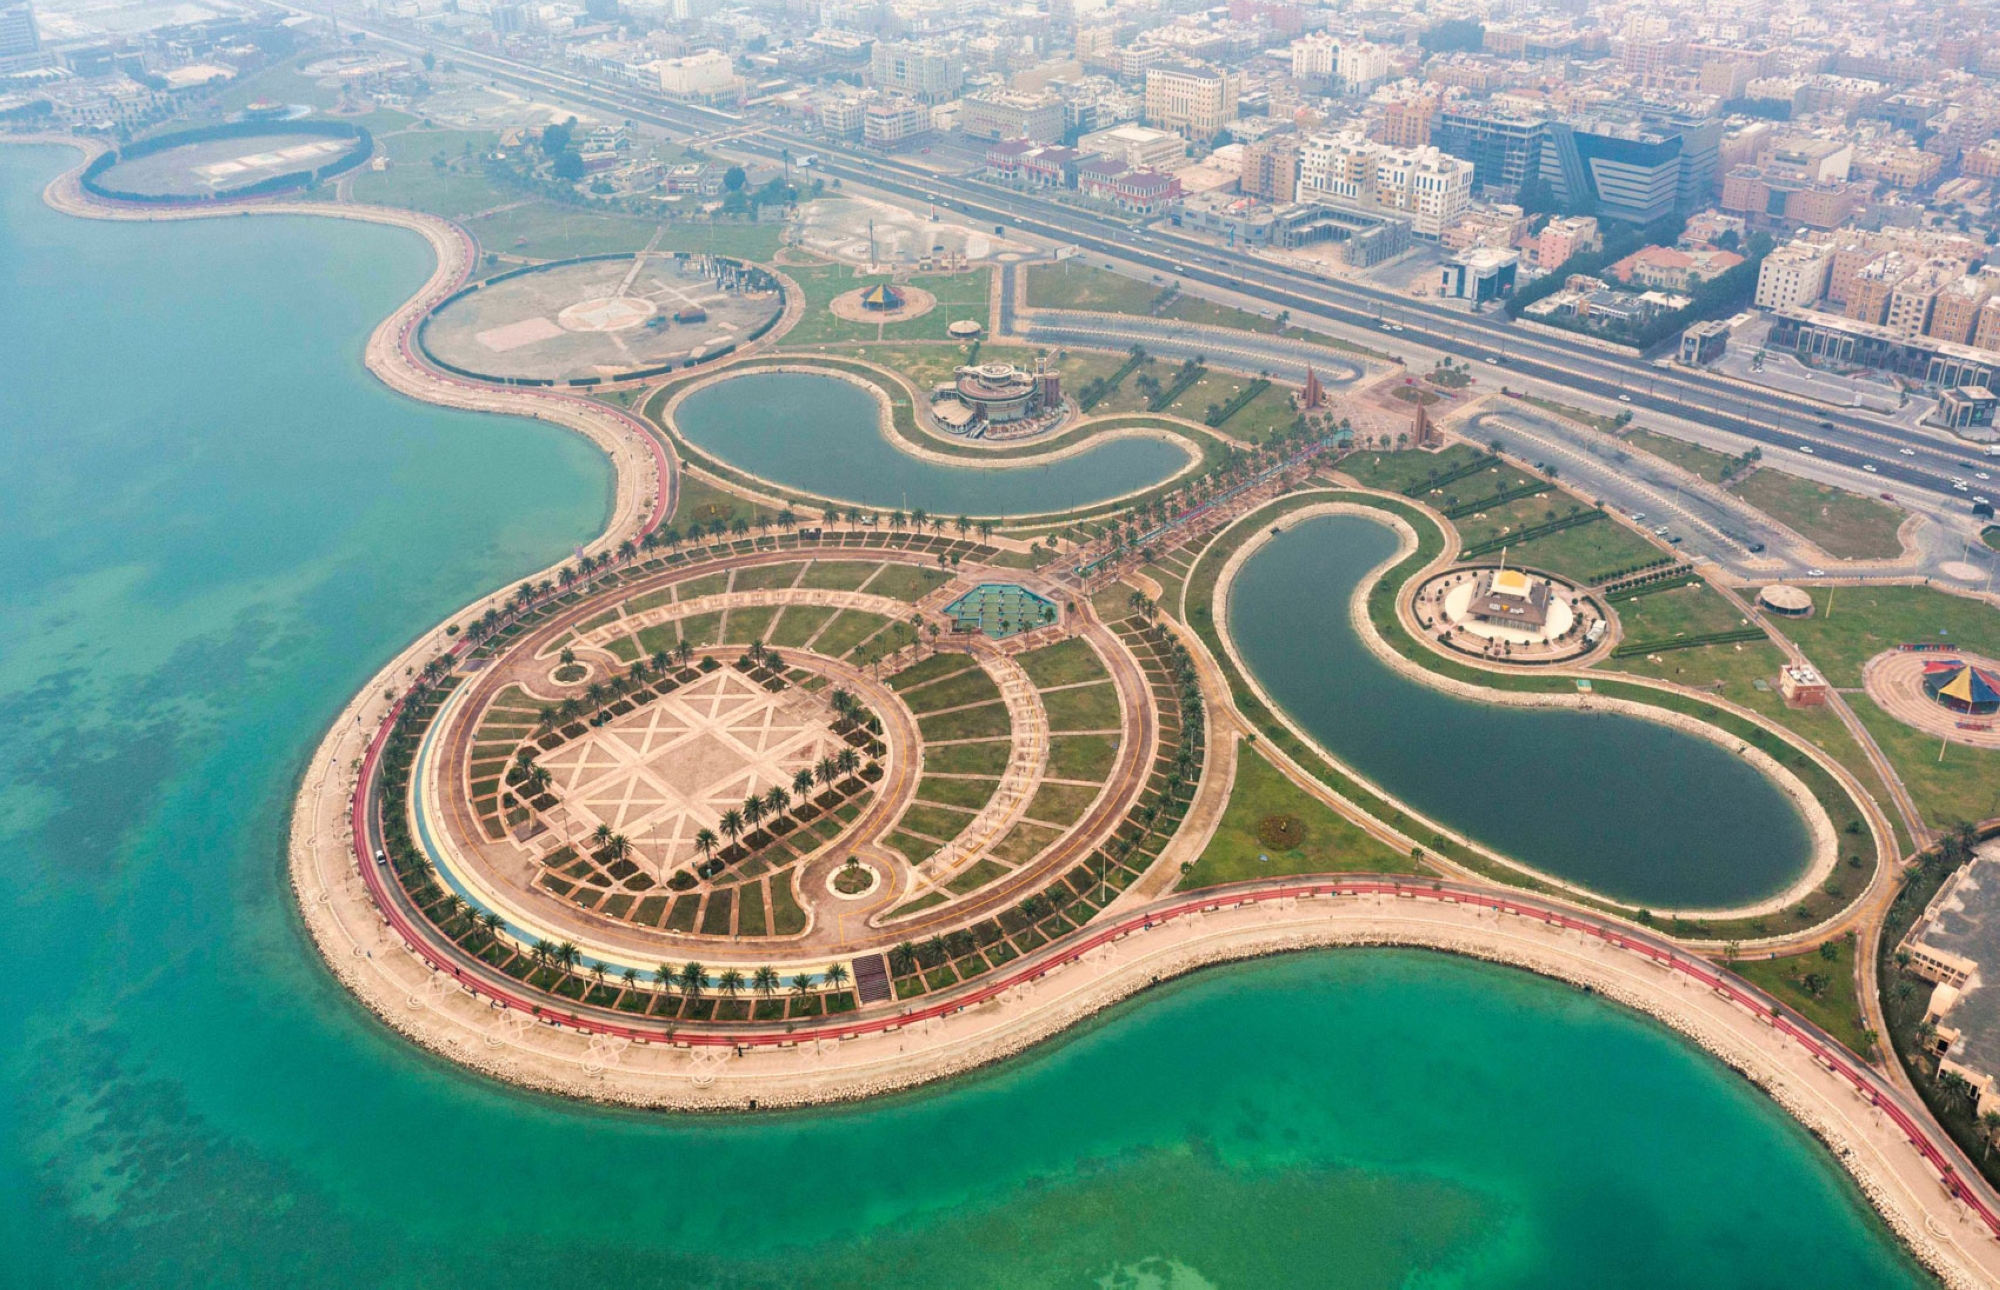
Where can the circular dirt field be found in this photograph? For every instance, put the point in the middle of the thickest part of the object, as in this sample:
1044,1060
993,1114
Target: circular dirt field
599,318
1895,680
916,303
219,167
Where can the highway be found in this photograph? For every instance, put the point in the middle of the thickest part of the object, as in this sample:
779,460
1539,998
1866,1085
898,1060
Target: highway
1782,424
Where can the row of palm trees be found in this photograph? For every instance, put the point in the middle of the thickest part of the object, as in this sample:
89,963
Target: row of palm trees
691,979
775,804
600,694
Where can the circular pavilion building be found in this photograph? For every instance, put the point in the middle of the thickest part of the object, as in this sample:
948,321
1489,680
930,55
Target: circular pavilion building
1961,687
1785,600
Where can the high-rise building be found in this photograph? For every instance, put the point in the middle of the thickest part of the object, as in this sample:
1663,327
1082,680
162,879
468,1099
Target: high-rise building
1006,114
1271,168
1425,185
1793,276
1505,150
17,30
1640,170
1197,102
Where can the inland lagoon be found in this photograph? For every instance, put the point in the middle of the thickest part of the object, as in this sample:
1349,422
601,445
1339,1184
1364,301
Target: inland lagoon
218,523
821,434
1625,806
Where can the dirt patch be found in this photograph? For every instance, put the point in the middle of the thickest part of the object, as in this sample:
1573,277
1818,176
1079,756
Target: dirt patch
1281,832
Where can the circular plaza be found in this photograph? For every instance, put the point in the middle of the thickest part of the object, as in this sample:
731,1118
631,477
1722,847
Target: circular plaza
220,162
1946,694
602,319
1518,616
798,764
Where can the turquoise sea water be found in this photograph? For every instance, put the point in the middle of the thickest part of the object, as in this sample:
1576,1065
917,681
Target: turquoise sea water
215,523
820,433
1628,807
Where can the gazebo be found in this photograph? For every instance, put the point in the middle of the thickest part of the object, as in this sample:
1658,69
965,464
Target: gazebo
1962,687
882,298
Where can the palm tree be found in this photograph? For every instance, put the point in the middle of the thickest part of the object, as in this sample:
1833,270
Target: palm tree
753,811
849,761
904,955
765,979
704,841
545,718
601,835
777,801
662,660
826,769
492,922
619,846
836,976
539,779
934,949
802,984
685,650
694,979
730,982
802,785
542,952
732,824
664,974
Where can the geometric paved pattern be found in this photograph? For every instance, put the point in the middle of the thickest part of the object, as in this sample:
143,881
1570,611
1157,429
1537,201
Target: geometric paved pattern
663,772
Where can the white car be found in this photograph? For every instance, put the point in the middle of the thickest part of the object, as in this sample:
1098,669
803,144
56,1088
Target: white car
1980,474
1660,531
1960,485
1806,448
1907,452
1493,360
1815,573
1869,466
1624,398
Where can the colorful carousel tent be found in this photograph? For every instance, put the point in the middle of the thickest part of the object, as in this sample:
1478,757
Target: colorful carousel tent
1962,687
882,296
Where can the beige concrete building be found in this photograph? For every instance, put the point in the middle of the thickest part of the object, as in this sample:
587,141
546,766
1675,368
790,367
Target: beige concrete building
1431,188
1008,114
1955,315
1270,169
1137,146
1874,285
1562,238
1197,102
1794,276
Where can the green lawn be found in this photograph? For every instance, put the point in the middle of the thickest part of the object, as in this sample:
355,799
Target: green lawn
700,502
1843,524
1085,757
1693,610
838,575
911,582
543,230
1963,785
987,758
1850,625
959,296
1061,804
1395,471
748,624
1591,419
797,625
1072,284
1064,663
848,629
934,668
1693,458
988,721
969,794
1588,553
1093,707
1327,843
764,576
1827,1000
958,691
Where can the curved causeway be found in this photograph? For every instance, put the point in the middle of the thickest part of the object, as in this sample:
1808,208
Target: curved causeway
1580,796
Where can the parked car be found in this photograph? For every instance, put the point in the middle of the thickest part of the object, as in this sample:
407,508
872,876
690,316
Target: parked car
1869,466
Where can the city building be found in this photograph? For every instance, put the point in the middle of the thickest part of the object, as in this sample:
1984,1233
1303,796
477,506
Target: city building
996,394
918,71
1137,191
707,75
1704,342
1969,407
1197,102
1832,340
1137,146
18,34
1270,168
1802,686
1562,238
888,122
1480,274
1511,597
1956,310
1672,269
1793,276
1006,114
1430,188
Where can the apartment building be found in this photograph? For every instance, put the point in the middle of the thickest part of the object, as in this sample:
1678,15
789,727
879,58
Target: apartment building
889,122
1270,169
1406,123
1006,114
707,75
920,72
1794,276
1562,238
1956,311
1137,146
1425,185
1197,102
1874,285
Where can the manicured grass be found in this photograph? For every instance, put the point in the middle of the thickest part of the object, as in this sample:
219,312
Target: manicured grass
1024,841
1831,1003
1086,757
1395,471
1693,458
1964,785
909,582
1850,625
787,919
989,758
971,723
1093,707
959,296
976,877
1064,663
709,584
546,231
663,636
701,629
916,850
954,692
969,793
935,821
1594,420
1685,611
839,575
1061,804
797,625
1071,284
764,576
700,502
1327,842
715,916
748,623
934,668
1843,524
750,909
848,629
1587,553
